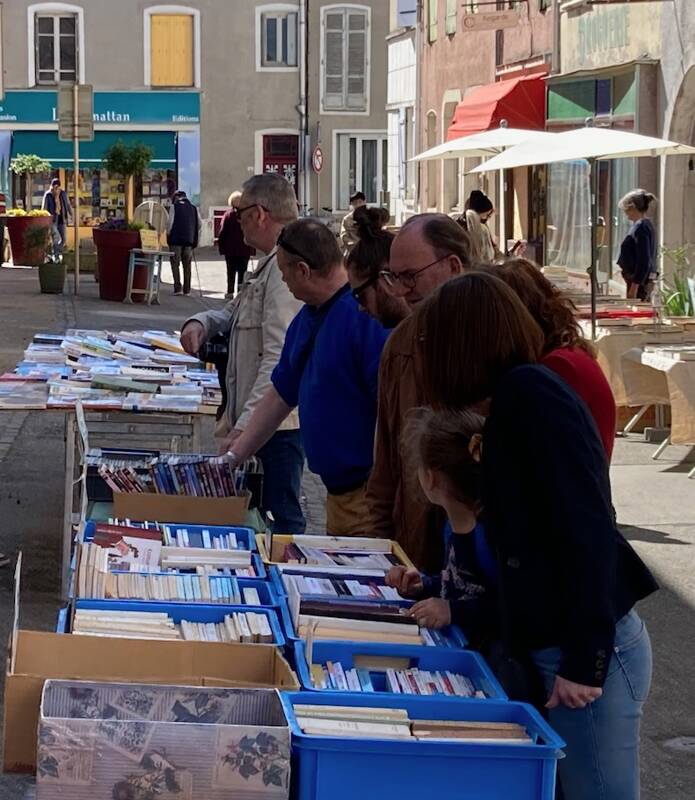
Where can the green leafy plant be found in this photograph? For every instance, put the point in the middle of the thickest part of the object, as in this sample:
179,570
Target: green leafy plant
676,295
127,160
29,165
36,237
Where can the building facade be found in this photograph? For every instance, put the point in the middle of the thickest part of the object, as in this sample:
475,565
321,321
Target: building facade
217,90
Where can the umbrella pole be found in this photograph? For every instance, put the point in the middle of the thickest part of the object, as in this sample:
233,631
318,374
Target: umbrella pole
502,244
593,181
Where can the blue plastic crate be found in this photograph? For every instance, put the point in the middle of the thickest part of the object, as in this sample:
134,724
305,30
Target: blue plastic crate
191,612
455,637
342,768
463,662
246,537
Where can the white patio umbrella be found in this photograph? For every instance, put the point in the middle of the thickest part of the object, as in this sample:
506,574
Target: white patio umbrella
593,144
484,145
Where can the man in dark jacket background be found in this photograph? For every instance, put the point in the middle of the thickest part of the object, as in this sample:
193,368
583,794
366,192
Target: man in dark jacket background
183,232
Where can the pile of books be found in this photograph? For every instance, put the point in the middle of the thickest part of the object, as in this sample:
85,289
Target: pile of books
332,675
242,626
395,723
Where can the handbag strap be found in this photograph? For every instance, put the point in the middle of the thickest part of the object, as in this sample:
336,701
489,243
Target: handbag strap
320,319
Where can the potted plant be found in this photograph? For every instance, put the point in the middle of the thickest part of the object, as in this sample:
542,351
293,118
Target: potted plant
677,295
29,235
115,238
29,165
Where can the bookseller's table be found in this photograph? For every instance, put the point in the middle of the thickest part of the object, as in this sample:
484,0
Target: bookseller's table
170,432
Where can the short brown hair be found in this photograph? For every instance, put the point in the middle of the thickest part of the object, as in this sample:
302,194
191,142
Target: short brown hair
316,243
554,312
475,328
444,234
439,440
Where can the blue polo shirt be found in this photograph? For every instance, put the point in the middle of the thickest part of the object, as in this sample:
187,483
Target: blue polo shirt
335,387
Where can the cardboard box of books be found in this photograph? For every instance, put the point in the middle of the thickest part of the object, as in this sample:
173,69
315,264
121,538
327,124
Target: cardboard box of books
36,657
343,552
139,741
203,510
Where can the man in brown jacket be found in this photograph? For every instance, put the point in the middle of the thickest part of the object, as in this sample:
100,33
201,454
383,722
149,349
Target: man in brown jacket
428,251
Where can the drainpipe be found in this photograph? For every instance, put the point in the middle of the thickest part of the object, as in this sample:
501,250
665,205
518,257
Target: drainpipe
557,29
303,107
418,96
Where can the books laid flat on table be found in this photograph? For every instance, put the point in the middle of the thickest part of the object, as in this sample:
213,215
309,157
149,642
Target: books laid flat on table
241,626
332,675
395,723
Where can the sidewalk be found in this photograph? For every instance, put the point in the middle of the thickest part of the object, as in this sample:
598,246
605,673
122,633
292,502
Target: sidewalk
655,503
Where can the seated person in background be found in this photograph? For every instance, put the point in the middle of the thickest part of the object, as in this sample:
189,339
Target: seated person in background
445,448
565,351
365,262
328,369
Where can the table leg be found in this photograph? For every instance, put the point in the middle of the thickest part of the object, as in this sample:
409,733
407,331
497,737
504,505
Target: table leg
691,474
662,447
637,417
70,430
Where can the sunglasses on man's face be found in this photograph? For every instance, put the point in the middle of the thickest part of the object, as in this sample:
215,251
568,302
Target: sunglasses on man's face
292,250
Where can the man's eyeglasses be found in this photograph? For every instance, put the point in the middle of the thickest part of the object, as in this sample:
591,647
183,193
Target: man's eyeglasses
358,291
292,250
241,210
407,279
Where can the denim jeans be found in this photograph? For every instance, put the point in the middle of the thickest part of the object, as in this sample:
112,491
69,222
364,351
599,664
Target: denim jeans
602,754
58,238
283,465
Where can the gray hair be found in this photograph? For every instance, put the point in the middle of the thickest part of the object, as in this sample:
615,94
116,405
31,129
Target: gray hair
275,194
637,199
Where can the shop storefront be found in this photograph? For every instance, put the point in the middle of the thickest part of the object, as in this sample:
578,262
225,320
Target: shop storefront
166,122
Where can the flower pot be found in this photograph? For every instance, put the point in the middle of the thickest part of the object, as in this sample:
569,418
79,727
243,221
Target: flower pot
23,232
113,255
51,278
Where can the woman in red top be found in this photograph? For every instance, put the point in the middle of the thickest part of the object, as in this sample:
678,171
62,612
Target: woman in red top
566,351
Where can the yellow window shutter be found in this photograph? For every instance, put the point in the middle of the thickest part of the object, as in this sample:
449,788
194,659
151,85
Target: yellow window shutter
172,50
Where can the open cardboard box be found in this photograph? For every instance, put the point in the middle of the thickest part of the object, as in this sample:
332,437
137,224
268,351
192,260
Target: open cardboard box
39,656
278,543
163,507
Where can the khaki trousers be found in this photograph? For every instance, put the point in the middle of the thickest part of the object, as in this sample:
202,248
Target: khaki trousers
348,514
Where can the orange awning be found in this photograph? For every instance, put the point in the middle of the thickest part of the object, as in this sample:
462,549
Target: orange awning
519,101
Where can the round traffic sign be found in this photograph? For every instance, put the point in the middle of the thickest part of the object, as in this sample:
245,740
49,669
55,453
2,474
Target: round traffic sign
317,159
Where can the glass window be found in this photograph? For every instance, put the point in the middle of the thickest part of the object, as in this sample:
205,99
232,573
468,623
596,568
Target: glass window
361,166
55,43
569,215
279,39
346,48
604,102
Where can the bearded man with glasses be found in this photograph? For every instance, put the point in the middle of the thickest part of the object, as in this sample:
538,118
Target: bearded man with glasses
429,250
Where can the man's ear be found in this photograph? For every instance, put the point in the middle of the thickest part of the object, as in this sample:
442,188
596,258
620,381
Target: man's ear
455,264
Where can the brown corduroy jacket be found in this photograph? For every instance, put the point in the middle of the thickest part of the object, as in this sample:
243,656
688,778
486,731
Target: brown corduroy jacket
399,509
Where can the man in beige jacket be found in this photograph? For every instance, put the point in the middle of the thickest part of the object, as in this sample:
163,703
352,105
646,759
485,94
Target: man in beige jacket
257,320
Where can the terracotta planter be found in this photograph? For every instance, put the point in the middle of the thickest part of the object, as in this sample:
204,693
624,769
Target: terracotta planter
23,253
113,255
52,278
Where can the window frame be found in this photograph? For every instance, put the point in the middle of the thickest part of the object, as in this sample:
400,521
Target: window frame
54,9
380,136
162,10
279,10
346,7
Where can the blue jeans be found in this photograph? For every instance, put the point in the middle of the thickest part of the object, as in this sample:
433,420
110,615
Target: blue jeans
602,753
58,238
283,465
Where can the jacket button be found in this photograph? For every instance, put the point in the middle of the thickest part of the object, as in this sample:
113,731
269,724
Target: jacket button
513,562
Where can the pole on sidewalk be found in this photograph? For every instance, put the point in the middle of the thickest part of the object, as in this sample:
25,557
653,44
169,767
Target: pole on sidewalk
76,167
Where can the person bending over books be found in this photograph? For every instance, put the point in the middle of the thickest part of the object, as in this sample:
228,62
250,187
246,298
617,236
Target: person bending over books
567,580
445,447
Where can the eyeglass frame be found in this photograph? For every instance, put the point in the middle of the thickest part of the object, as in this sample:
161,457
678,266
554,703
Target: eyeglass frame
408,279
292,250
358,291
240,211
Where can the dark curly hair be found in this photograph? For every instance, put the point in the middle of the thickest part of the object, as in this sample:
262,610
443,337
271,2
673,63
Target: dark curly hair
554,313
373,249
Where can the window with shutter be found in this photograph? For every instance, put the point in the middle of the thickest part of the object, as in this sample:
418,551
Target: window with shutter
432,20
172,50
55,45
451,8
345,59
278,39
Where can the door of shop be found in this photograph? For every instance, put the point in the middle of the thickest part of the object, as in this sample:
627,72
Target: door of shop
281,155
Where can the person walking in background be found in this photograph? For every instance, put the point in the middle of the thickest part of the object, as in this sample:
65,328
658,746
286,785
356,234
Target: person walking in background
256,323
429,250
56,202
637,258
232,246
365,262
183,233
565,351
349,235
328,369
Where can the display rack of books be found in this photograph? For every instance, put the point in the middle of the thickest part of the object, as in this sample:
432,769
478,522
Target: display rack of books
158,185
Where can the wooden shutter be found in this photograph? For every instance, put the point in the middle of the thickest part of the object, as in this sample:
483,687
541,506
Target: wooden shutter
334,60
432,20
357,61
451,6
172,50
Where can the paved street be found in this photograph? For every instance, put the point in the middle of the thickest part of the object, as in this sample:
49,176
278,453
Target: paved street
655,502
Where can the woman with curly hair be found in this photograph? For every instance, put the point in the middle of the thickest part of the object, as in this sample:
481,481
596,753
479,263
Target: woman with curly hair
565,350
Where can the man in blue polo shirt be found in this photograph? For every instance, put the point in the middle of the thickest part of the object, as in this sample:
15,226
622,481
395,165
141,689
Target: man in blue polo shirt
328,369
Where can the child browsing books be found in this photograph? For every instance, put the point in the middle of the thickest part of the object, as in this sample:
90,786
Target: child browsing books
446,448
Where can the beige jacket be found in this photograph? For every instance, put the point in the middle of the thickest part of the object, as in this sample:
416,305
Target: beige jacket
258,317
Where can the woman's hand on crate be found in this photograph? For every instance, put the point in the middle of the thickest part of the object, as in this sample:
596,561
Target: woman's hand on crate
432,613
406,581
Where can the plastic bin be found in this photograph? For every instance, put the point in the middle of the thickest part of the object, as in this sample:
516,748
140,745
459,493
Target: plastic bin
191,612
342,768
464,662
246,537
